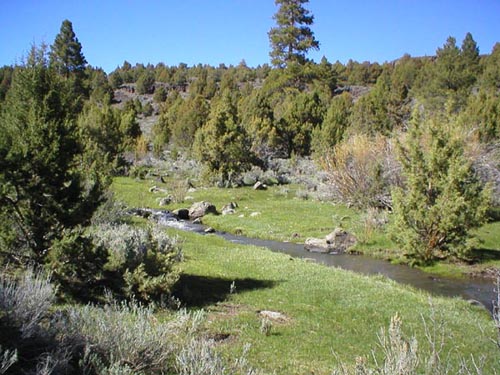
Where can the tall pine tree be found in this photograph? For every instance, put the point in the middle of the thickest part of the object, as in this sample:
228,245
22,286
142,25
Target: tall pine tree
292,38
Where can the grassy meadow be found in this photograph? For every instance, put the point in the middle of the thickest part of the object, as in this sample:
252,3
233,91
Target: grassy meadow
328,315
283,213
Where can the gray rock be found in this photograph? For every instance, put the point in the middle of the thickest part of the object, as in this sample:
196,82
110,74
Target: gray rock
197,221
259,186
200,209
209,230
317,245
340,241
229,208
181,213
164,201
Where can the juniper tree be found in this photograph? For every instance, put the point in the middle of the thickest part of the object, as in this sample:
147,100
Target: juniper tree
222,143
44,187
443,199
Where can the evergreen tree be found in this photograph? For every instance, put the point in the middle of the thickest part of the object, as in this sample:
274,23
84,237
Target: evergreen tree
146,83
300,115
491,74
443,199
222,144
66,58
334,125
66,55
44,186
292,38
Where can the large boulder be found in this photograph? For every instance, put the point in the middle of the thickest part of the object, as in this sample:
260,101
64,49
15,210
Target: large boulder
259,186
340,241
317,245
337,242
200,209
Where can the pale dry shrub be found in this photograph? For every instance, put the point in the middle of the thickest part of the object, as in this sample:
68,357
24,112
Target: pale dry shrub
199,357
401,355
178,190
7,359
127,337
25,302
361,171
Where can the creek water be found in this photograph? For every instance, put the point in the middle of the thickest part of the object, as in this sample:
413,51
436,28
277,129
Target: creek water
477,289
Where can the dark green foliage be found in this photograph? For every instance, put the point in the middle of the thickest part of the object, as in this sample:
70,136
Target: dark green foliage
44,187
66,55
334,125
146,83
160,95
115,80
258,119
67,59
482,115
5,81
222,143
191,116
297,117
292,38
491,74
100,89
103,137
443,199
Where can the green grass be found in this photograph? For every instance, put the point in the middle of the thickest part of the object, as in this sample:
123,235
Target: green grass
281,216
327,309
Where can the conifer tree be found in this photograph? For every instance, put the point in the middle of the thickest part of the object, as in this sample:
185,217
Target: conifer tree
222,144
292,38
44,187
443,199
66,55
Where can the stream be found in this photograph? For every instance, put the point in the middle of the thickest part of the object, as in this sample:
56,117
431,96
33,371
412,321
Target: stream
477,289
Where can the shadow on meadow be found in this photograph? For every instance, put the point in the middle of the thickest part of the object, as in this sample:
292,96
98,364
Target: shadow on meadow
200,291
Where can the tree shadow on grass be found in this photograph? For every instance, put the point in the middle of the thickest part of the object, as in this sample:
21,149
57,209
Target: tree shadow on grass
200,291
485,255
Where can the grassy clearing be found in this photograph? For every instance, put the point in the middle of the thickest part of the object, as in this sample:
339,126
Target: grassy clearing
326,310
278,214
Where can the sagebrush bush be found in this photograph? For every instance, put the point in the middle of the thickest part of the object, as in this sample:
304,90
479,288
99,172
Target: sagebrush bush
142,261
126,336
198,357
361,171
25,302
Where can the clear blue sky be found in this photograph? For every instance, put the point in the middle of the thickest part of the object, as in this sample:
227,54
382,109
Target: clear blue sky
228,31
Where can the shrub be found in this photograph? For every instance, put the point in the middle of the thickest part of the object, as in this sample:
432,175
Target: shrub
126,336
443,199
25,303
198,357
361,171
141,261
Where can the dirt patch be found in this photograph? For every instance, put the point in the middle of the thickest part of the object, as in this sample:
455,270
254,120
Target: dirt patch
225,310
